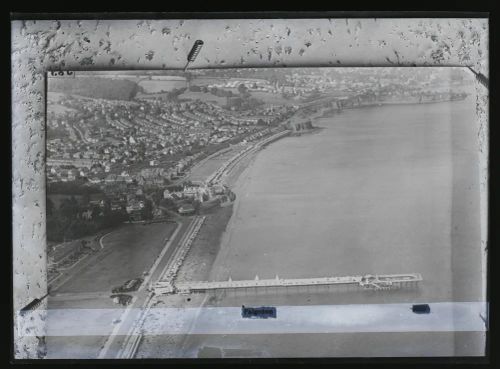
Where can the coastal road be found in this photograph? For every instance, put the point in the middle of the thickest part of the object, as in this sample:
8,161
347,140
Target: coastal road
120,336
131,333
127,253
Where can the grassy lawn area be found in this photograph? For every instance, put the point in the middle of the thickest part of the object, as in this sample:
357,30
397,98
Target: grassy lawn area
128,252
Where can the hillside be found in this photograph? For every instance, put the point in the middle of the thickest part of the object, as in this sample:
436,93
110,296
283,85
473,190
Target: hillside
103,88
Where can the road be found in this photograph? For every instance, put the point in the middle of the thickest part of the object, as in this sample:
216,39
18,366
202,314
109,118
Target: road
137,249
124,334
129,338
89,283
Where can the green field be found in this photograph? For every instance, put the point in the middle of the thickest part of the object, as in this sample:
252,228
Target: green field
128,252
273,99
202,96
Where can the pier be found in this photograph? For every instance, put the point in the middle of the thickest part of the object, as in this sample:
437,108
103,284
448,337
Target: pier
371,282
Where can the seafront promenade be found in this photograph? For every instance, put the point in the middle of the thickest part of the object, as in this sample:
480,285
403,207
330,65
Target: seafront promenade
220,173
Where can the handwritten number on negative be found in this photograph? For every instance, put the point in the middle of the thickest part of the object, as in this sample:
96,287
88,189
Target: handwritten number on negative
61,73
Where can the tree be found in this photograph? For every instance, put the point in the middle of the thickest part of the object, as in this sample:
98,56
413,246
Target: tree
50,207
242,89
86,198
168,203
147,211
273,79
69,208
95,212
107,206
189,78
156,196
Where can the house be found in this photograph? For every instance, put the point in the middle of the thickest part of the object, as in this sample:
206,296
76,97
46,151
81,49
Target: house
87,214
95,180
218,189
111,178
71,175
191,191
97,199
117,205
134,206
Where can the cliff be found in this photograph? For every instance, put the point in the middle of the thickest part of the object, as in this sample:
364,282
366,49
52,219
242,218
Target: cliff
300,126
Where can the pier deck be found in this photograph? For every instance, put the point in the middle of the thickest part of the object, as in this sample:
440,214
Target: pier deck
377,282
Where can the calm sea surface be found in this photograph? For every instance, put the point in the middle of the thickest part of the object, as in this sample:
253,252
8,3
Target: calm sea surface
391,189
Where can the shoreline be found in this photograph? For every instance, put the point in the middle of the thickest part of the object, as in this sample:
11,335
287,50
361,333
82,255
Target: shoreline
332,111
191,344
240,171
237,173
233,178
200,264
237,185
405,102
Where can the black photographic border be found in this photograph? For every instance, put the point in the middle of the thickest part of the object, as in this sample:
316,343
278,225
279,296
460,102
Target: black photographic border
491,355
